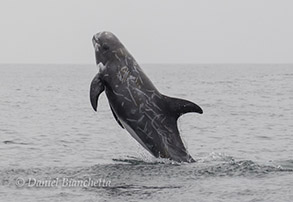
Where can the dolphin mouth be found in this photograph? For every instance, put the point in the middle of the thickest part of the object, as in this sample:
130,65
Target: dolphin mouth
96,43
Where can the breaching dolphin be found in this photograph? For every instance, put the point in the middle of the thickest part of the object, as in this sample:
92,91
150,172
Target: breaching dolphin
149,116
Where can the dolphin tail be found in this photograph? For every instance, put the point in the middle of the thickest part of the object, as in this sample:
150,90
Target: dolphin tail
179,106
96,88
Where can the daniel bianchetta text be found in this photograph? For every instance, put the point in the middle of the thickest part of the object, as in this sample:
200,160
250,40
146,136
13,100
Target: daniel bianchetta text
61,182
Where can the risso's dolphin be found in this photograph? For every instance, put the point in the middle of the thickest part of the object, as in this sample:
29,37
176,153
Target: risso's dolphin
149,116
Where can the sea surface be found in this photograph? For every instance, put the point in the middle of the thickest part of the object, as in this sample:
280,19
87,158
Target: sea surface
55,147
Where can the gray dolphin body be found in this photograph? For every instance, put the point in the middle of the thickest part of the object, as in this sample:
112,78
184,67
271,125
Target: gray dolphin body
149,116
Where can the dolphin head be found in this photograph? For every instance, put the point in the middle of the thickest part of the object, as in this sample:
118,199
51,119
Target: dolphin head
106,45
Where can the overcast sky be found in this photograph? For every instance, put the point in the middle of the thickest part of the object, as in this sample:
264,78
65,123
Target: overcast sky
154,31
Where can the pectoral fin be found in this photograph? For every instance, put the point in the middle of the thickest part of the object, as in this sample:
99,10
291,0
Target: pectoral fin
96,88
116,118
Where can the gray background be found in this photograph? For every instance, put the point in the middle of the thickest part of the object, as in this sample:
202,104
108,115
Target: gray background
209,31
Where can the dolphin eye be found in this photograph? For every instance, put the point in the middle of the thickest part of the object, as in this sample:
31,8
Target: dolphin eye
105,47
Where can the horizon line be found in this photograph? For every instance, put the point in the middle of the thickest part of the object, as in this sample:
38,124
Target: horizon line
162,63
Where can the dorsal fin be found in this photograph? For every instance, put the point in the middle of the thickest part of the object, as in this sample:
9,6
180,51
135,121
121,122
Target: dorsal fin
179,106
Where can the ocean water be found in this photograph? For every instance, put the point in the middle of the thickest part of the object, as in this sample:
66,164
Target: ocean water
54,147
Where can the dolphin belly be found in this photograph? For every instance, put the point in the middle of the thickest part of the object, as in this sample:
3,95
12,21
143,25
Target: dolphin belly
134,135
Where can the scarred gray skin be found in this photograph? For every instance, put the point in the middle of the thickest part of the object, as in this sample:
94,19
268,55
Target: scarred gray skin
149,116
